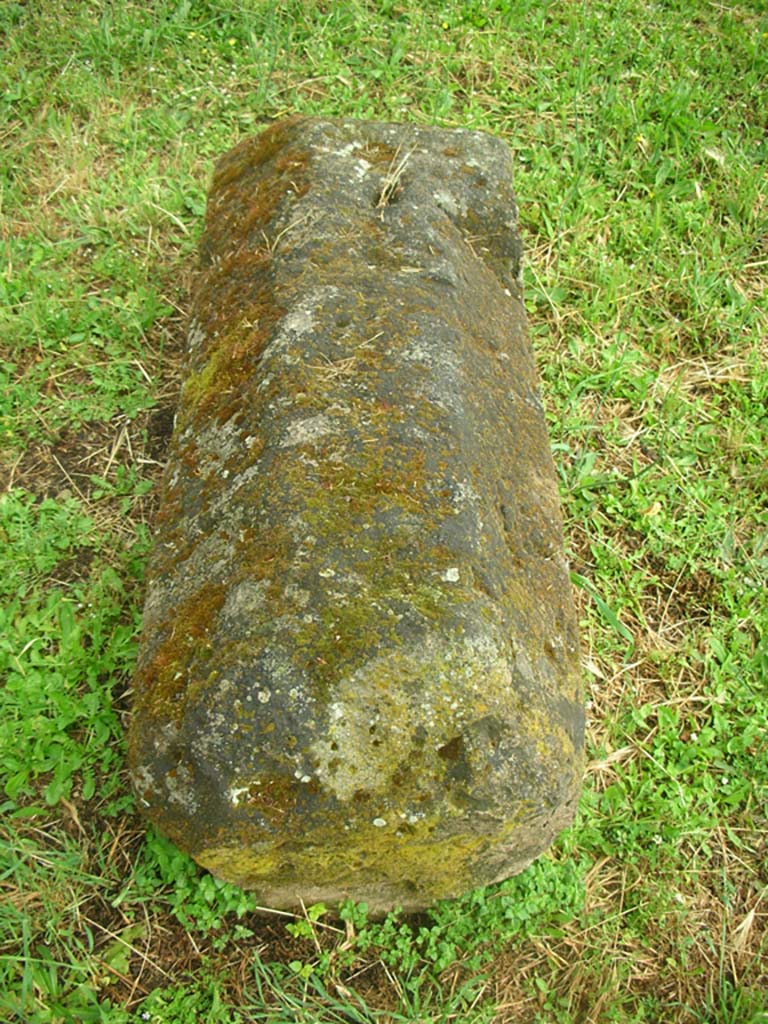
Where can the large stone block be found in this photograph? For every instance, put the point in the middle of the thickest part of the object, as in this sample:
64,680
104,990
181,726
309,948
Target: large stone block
359,672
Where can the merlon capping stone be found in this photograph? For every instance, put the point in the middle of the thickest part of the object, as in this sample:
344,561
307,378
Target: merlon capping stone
359,671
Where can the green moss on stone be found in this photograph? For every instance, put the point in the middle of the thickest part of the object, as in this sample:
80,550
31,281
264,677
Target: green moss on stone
376,857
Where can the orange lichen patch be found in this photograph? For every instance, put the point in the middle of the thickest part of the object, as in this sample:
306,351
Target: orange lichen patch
165,676
230,367
387,478
237,283
263,554
255,149
270,170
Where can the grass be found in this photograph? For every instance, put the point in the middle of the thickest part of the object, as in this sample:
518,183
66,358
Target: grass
639,137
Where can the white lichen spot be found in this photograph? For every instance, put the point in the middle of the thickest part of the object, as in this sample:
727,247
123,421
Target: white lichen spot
236,793
297,595
379,822
327,573
264,696
348,150
447,202
143,781
451,575
361,168
308,430
195,336
180,789
298,321
245,599
464,494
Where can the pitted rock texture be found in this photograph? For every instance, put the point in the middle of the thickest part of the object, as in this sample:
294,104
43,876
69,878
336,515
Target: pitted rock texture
359,675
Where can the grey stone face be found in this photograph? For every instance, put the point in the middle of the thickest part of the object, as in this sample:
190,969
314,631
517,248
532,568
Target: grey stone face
359,671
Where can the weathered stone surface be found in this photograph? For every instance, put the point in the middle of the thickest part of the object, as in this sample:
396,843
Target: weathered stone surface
359,671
